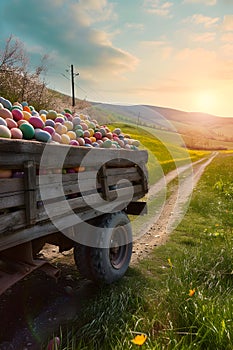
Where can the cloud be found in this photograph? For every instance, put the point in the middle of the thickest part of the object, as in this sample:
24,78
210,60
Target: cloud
227,37
199,19
67,30
203,2
158,7
228,23
137,26
204,37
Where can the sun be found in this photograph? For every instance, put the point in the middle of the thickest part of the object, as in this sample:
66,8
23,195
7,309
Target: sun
206,101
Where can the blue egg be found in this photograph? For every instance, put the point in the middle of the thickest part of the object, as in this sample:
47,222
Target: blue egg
41,135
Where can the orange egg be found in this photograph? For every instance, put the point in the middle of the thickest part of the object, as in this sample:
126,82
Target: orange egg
27,109
5,173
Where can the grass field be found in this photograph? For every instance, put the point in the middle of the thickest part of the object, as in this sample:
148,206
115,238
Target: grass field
164,149
181,296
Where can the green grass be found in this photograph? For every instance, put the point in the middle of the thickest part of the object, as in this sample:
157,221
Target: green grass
153,298
164,156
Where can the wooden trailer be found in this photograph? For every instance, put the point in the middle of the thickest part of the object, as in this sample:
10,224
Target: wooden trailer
69,196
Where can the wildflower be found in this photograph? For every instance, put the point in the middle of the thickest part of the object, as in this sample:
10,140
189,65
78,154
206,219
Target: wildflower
139,339
170,263
192,292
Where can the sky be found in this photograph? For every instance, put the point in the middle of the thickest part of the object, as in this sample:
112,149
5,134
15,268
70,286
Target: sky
167,53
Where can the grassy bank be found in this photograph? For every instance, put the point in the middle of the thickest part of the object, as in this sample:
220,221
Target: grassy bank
181,296
164,153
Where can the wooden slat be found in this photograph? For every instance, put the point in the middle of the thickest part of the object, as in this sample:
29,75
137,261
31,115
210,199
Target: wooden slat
12,221
30,191
13,199
11,185
60,207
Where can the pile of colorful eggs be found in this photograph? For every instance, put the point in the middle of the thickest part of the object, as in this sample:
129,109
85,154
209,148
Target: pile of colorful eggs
21,121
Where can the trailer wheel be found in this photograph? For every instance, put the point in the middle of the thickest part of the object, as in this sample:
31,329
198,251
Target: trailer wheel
107,265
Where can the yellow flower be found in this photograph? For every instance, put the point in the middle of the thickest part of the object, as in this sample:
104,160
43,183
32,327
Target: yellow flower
170,263
139,339
192,292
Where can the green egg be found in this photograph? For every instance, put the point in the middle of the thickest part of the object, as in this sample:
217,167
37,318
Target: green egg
27,130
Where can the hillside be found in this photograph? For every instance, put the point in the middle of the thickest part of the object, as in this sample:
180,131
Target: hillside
199,130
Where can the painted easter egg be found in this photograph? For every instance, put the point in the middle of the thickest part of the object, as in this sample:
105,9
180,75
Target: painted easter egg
41,135
5,113
5,132
51,114
49,129
36,122
74,143
50,122
3,121
56,137
5,173
16,133
17,114
11,123
27,130
65,139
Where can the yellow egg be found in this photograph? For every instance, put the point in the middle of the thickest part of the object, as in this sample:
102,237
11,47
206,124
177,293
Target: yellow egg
71,135
65,139
68,124
26,115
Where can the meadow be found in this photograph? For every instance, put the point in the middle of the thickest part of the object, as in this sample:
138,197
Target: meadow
181,295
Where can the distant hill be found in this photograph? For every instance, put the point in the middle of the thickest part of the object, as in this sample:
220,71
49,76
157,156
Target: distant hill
199,130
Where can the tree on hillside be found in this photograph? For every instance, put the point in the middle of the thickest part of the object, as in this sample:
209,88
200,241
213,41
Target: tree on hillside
17,81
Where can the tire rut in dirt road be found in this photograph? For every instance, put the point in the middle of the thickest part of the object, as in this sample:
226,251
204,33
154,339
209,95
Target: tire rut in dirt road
157,230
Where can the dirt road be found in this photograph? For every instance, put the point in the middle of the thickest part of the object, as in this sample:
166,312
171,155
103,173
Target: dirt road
37,306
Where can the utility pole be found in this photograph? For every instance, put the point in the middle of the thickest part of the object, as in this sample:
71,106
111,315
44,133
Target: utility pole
72,83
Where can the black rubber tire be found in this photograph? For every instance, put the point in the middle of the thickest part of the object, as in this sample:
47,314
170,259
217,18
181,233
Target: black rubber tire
107,265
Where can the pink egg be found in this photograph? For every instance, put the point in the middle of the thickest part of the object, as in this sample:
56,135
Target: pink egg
11,123
49,129
5,113
56,137
17,114
22,121
16,133
98,135
84,125
36,122
74,143
81,141
86,133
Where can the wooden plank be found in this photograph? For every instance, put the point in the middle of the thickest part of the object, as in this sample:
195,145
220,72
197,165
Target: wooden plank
11,185
13,199
11,221
15,152
65,206
30,191
104,182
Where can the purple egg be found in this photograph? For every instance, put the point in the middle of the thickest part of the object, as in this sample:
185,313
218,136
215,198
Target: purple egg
59,120
50,122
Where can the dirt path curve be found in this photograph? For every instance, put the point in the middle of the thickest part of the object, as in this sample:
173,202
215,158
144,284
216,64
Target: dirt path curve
157,230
